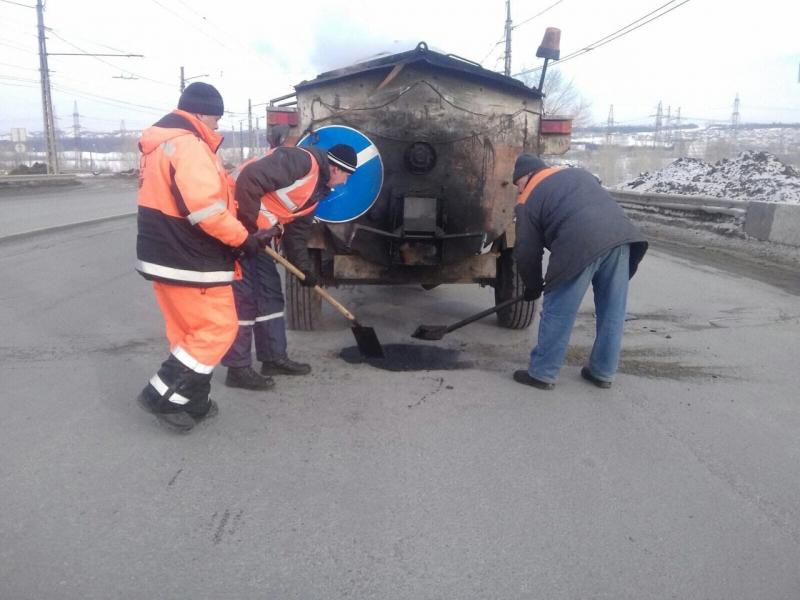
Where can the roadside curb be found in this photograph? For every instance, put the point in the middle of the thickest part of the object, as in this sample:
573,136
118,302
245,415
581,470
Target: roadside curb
54,228
15,182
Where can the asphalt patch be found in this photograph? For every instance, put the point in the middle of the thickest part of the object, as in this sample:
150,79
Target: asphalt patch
409,357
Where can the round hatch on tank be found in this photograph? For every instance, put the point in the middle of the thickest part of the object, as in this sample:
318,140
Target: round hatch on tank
354,198
420,158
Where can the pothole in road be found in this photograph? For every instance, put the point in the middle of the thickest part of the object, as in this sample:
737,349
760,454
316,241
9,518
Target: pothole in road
409,357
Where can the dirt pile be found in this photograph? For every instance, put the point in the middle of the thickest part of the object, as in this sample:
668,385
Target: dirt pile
750,176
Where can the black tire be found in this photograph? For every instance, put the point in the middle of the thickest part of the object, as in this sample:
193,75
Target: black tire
303,304
508,285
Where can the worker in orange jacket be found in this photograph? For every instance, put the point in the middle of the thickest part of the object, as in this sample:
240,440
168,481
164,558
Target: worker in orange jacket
187,245
277,195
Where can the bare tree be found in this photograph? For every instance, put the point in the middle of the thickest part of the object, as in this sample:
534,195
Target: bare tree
562,97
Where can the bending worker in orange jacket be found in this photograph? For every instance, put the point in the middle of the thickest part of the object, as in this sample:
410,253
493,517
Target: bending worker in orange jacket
188,239
277,192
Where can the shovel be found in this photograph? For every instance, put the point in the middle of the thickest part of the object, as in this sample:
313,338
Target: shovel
437,332
367,341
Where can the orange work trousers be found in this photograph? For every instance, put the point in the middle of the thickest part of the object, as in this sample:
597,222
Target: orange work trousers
201,323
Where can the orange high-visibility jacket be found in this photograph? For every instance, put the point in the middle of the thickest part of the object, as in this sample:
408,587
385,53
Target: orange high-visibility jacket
187,222
285,204
280,187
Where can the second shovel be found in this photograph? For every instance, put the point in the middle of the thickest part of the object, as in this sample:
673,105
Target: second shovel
437,332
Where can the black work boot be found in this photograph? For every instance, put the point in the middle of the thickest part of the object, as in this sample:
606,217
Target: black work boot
247,379
181,422
522,376
150,402
284,366
601,383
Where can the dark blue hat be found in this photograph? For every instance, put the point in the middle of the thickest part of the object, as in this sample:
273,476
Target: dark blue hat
527,164
201,99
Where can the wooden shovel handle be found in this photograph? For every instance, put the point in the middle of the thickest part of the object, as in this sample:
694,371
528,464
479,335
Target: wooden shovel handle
299,274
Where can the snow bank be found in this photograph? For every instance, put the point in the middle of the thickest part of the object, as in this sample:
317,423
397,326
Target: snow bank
750,176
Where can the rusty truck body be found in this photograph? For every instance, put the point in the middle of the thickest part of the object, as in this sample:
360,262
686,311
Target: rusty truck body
448,132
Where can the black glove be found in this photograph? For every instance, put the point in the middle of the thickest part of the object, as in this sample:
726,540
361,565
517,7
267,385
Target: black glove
250,247
264,235
531,293
310,279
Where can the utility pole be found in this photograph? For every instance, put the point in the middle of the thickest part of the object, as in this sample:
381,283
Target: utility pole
76,132
668,135
258,136
735,115
507,69
610,124
735,122
657,133
48,112
241,142
123,134
47,101
184,79
250,127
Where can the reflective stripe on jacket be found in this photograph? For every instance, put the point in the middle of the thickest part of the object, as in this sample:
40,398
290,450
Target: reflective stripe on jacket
187,223
534,181
570,214
284,205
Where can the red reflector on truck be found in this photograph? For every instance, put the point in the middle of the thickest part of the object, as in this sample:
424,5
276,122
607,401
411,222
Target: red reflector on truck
282,117
555,126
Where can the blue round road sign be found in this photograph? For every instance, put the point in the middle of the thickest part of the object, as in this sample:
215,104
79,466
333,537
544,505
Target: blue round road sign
354,198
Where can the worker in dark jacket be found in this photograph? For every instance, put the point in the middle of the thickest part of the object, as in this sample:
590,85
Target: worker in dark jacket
277,195
591,241
188,239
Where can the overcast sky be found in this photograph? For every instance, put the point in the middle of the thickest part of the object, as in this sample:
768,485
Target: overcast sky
696,57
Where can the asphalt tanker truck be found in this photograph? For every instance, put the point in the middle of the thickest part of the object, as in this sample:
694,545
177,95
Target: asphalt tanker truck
432,201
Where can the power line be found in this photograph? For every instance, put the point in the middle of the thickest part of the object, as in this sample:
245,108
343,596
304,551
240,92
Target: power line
18,67
503,39
14,78
180,17
20,85
105,62
20,48
112,101
213,26
17,4
615,35
539,14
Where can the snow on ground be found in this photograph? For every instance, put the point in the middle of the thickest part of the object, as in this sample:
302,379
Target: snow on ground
751,176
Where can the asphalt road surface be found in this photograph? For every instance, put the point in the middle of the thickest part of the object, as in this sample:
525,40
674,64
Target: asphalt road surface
681,481
25,210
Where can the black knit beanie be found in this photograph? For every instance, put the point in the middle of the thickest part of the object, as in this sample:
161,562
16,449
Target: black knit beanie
525,165
344,157
201,99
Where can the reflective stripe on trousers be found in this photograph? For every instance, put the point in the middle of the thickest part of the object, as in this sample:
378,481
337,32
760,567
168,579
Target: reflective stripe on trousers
259,306
200,325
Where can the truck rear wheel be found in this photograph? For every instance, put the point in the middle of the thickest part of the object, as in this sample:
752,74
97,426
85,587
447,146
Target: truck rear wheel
303,304
508,285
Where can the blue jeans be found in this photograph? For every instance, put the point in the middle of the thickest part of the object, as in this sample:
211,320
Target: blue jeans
609,277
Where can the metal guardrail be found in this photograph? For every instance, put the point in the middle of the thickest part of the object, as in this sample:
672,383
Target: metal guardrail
41,179
704,204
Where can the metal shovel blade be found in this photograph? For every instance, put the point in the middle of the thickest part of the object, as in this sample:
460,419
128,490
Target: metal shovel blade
367,341
430,332
437,332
